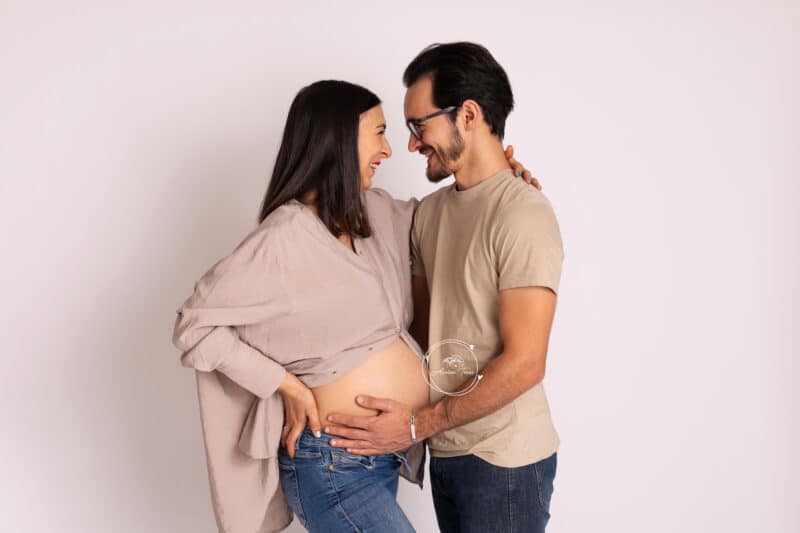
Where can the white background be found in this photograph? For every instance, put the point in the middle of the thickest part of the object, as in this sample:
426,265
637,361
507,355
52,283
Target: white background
136,141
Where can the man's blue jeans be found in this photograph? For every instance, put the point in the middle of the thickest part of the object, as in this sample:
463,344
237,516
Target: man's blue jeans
473,496
331,490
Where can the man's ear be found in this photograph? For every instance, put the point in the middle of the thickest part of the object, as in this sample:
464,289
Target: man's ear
473,114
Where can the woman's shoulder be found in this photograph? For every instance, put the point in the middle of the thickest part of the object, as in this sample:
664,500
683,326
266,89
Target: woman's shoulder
283,218
251,263
381,203
376,195
272,234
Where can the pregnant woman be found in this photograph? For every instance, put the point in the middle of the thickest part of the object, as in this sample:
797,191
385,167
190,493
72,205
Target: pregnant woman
312,308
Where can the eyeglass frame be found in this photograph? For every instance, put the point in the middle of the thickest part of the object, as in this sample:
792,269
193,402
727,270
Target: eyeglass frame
413,124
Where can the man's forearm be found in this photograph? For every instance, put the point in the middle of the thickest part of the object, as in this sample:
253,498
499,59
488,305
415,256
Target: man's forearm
504,379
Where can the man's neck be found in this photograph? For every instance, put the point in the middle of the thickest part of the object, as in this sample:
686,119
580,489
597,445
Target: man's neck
481,163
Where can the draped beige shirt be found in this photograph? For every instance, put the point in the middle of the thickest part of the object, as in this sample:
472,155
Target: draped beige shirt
290,298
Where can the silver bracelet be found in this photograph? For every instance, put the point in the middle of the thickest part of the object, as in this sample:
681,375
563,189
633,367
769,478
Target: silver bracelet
413,429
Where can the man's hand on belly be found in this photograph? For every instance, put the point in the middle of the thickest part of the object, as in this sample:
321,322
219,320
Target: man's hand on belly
388,431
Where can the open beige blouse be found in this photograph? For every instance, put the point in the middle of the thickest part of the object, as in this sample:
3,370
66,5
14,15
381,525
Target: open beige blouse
291,298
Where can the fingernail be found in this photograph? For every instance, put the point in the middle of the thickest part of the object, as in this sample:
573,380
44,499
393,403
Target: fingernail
359,399
326,429
330,418
318,434
333,443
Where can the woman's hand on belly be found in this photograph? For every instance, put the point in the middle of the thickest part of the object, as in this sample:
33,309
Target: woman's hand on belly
300,409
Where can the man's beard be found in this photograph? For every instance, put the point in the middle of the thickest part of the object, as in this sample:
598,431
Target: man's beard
445,157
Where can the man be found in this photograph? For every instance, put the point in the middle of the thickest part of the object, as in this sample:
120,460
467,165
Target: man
490,249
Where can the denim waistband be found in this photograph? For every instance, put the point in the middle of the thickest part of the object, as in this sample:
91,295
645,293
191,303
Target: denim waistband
307,441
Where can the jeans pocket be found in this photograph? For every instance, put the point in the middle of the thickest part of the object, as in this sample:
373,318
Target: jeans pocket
284,461
290,489
301,457
545,471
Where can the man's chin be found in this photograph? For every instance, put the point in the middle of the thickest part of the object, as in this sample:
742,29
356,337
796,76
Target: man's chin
435,176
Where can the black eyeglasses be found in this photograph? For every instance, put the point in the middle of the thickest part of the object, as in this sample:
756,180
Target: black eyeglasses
414,123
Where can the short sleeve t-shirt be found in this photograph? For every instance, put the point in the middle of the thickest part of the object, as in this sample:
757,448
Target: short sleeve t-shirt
470,245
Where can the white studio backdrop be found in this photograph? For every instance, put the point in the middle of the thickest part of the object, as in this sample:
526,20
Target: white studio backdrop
136,140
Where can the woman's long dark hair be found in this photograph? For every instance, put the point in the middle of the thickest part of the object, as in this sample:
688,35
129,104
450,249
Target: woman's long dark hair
319,151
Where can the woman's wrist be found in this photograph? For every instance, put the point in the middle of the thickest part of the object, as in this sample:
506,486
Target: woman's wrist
290,385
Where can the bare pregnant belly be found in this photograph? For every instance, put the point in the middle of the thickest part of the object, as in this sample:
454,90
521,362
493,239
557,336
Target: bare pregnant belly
395,373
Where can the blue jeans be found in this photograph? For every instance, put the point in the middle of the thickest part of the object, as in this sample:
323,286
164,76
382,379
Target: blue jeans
331,490
473,496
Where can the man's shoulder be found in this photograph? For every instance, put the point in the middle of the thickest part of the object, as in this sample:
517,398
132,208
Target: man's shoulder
523,214
519,202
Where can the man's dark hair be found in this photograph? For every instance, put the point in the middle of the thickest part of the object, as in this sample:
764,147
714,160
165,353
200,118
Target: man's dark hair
319,151
463,71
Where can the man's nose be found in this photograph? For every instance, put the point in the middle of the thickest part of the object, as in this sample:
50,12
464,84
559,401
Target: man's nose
413,143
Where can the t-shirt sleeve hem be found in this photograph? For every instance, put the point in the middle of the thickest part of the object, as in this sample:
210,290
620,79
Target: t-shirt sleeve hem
531,282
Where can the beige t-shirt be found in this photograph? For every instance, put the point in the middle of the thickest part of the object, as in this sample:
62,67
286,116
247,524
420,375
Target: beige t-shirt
470,245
